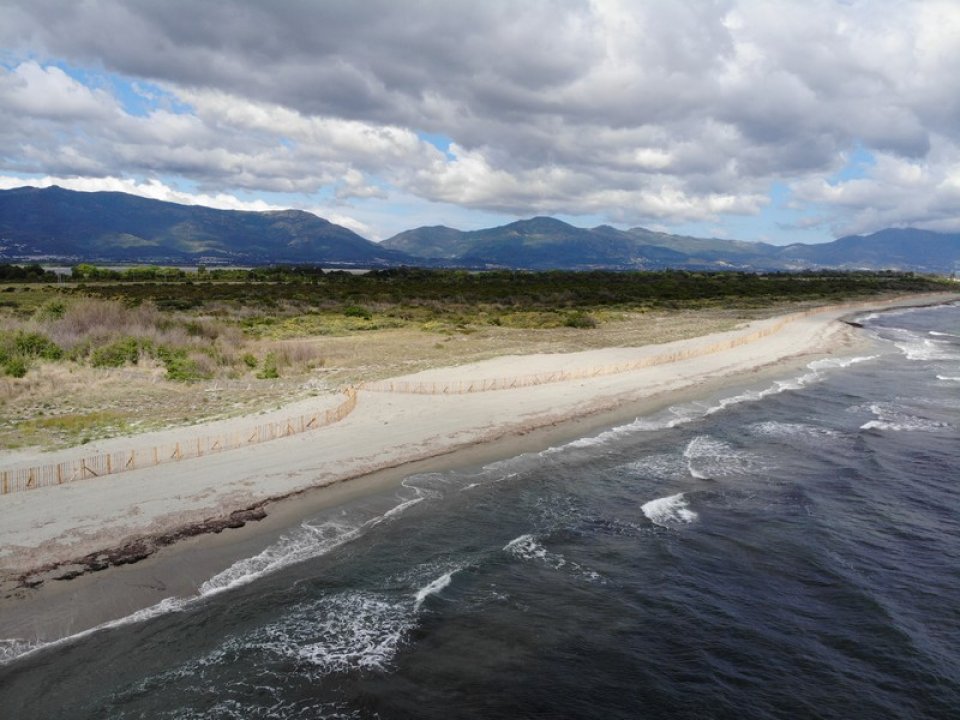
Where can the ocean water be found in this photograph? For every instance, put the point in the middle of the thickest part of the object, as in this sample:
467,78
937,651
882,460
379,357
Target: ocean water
788,551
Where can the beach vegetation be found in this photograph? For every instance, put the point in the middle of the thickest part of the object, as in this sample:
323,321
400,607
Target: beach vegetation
72,427
580,320
121,352
269,369
237,340
15,367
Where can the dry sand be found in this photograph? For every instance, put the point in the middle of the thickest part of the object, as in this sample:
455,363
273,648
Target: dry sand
64,530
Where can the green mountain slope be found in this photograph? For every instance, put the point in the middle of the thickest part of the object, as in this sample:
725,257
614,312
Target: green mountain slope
120,227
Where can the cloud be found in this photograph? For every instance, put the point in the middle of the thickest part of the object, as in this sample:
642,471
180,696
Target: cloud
645,112
153,189
49,93
895,191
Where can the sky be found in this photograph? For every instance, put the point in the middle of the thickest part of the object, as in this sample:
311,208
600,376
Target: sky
756,120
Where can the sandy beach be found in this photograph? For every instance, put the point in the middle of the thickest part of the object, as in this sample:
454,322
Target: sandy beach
52,534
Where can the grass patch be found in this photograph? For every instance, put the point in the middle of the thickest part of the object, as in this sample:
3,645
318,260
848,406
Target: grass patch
282,328
71,428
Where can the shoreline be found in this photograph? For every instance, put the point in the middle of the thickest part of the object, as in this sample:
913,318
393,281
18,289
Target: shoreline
147,574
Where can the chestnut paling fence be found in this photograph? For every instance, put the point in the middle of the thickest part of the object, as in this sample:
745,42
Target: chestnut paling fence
459,387
109,463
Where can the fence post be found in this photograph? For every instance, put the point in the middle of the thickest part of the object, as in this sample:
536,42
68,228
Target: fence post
6,485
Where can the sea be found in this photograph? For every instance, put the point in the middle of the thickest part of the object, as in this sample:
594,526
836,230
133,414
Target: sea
789,550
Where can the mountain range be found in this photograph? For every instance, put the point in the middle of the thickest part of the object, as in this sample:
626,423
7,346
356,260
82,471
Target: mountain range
58,225
117,227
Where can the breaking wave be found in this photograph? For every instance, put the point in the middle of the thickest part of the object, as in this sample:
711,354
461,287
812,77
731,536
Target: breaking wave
308,542
893,418
678,415
669,511
710,459
527,547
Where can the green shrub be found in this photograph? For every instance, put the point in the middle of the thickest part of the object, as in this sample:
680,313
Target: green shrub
15,367
32,344
51,310
249,360
181,366
357,311
269,370
125,351
580,320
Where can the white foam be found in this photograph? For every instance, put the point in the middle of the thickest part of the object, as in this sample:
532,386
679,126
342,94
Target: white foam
308,542
527,547
336,633
355,631
670,510
912,425
342,632
893,418
678,415
393,512
950,378
428,485
711,459
921,348
892,312
801,431
830,363
14,648
702,447
432,588
660,466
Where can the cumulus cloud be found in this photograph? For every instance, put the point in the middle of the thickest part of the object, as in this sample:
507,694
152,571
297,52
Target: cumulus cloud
153,189
641,112
895,191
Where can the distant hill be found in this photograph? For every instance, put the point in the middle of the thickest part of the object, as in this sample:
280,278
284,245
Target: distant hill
539,243
67,226
542,243
117,227
893,249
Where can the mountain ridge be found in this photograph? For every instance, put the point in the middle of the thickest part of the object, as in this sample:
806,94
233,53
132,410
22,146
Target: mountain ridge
640,248
70,226
120,227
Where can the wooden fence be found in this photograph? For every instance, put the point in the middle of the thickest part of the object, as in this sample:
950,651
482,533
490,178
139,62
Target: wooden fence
460,387
109,463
